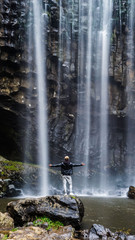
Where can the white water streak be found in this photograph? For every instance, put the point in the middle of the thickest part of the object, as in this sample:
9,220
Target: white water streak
130,162
88,86
40,55
60,57
93,64
105,33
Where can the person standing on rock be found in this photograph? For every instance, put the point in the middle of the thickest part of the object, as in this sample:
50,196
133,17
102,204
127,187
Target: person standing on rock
66,172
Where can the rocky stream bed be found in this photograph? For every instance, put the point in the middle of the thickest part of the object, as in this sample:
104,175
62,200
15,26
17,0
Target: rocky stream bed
25,219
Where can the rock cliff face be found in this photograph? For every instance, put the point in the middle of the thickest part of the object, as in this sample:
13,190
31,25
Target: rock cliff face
15,85
18,96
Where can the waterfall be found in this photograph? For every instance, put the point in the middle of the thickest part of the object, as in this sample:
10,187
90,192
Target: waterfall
93,63
60,52
130,162
40,38
84,85
105,40
28,135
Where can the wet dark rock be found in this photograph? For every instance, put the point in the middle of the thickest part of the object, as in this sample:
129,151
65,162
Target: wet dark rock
83,234
12,191
130,237
66,209
122,236
8,189
131,192
99,231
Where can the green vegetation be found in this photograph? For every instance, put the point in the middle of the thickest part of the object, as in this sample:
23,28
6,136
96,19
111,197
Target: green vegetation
126,231
5,237
73,197
11,168
17,164
14,229
51,224
7,166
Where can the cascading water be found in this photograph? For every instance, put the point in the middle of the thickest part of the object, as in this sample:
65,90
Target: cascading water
130,163
93,63
27,189
105,41
60,49
40,18
94,36
84,84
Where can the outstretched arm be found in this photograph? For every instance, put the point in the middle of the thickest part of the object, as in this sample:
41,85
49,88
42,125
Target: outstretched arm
78,165
55,165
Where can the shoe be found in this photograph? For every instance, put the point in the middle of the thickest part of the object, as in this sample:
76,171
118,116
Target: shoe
71,193
65,194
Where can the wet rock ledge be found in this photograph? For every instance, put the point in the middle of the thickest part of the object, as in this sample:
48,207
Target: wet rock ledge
66,209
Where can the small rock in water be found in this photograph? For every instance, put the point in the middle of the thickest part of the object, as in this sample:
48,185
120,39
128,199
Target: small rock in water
98,231
131,192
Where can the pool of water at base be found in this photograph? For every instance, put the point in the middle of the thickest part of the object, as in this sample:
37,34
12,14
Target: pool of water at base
117,214
113,213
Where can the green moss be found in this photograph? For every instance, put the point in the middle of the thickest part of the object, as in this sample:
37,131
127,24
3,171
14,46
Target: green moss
8,167
11,168
73,197
14,229
51,224
13,162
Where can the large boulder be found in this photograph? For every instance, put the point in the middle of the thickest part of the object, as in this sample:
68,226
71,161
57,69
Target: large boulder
6,222
131,192
66,209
